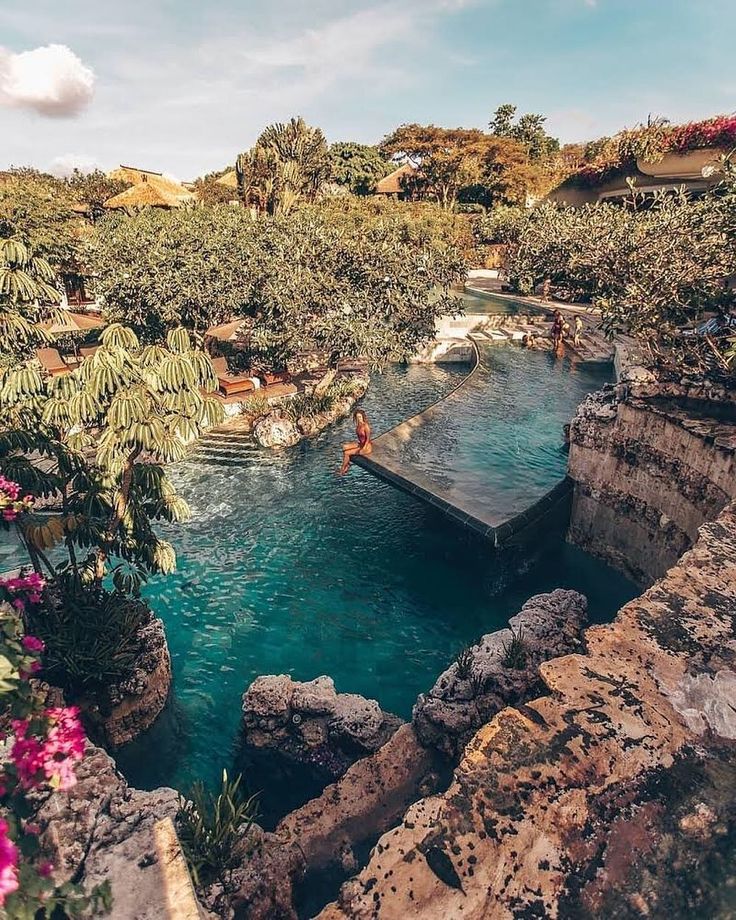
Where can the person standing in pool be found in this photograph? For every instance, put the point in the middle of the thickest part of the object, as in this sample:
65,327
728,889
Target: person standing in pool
362,446
557,328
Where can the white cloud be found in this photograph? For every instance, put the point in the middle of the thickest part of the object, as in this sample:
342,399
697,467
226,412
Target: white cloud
65,164
50,80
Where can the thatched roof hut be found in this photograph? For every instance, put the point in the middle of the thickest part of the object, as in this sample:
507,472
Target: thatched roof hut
229,179
393,183
151,191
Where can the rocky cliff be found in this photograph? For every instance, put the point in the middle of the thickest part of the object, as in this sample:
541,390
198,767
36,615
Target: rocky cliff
613,796
652,461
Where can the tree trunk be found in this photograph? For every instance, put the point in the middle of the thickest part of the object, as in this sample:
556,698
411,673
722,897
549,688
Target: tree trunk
118,513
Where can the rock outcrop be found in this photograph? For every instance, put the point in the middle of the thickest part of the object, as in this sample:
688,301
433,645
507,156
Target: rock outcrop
323,838
130,707
298,737
613,796
104,830
652,460
501,670
279,429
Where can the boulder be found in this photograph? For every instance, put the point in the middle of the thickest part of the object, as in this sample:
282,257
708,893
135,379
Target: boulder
129,707
298,737
276,430
485,679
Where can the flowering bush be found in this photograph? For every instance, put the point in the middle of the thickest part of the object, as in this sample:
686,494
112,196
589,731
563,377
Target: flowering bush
47,742
11,504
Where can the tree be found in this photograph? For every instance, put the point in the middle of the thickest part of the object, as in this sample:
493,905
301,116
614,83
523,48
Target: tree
288,164
157,270
27,295
104,430
357,166
446,159
91,190
528,131
209,191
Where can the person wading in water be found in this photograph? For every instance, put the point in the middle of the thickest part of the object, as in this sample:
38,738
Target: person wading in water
362,446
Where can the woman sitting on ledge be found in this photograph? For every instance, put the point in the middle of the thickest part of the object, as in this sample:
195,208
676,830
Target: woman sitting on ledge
362,446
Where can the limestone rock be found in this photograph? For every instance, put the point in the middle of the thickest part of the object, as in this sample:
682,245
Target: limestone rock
305,735
276,430
130,707
466,697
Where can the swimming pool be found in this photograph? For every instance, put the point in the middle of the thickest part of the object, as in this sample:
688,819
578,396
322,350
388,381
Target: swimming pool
496,446
287,568
488,302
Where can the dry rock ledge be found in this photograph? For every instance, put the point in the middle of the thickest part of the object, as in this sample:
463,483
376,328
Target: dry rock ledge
614,796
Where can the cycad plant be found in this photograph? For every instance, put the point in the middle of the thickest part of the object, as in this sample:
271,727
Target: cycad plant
93,441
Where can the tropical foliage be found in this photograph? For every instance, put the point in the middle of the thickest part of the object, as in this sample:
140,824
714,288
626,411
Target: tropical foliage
104,430
45,743
653,268
27,295
214,829
287,165
344,279
357,166
528,130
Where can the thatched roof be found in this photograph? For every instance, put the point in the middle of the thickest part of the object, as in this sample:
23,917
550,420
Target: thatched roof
133,175
392,184
153,192
229,179
225,332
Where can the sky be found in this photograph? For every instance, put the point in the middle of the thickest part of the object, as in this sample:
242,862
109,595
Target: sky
182,86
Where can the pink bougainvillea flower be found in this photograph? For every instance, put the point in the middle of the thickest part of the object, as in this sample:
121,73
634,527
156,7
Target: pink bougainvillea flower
33,644
52,758
8,863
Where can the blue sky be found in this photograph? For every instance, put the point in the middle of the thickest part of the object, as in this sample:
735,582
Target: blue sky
182,86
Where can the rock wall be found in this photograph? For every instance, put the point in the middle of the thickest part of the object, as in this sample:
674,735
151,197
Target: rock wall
104,830
614,796
132,706
651,463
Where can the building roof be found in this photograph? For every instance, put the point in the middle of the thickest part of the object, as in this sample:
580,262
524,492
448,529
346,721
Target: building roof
152,191
392,183
229,179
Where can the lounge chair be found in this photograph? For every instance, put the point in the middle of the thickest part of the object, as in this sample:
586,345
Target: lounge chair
52,362
230,383
86,351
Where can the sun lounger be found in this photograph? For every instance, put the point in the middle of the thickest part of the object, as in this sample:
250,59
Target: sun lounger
52,362
270,377
230,383
88,350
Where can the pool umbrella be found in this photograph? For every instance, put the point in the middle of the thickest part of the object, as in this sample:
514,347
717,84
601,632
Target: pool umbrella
69,321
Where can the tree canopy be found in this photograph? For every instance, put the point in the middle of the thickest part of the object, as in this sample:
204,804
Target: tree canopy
357,166
528,130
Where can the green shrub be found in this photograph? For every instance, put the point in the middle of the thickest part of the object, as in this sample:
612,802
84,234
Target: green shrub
344,387
464,663
515,651
212,828
91,634
303,406
255,406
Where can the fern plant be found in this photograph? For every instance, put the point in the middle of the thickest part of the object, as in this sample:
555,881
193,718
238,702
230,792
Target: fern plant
215,828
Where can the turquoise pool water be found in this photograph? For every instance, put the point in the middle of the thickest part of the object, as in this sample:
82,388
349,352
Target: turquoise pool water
496,445
488,302
288,568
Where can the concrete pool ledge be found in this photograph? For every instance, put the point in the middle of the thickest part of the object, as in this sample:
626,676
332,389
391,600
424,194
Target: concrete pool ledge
554,507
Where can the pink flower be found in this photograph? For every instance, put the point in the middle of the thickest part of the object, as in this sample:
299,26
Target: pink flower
8,863
52,758
32,644
45,869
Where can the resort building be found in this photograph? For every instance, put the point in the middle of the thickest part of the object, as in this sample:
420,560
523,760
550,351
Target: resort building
148,189
394,184
695,170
